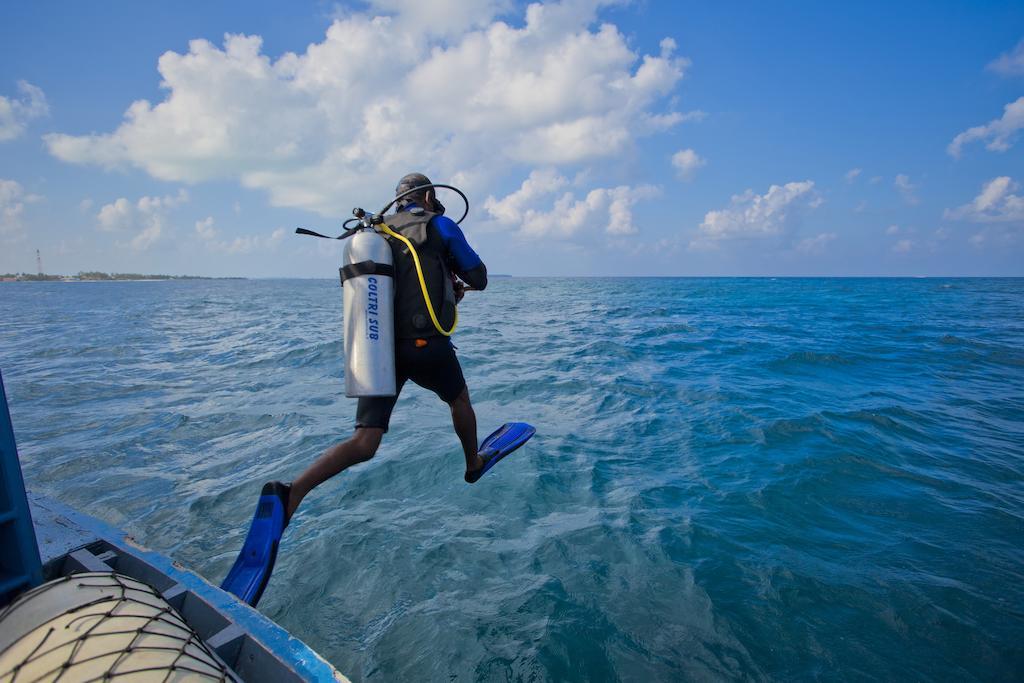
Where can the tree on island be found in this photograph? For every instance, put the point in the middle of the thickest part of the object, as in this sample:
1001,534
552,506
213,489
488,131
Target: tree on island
95,275
31,277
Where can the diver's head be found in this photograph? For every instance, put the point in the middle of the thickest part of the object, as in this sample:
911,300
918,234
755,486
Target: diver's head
425,198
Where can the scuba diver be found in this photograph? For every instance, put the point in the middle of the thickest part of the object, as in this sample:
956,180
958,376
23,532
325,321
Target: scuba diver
426,255
422,353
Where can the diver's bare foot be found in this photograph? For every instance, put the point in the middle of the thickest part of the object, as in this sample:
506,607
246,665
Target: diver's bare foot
473,473
290,503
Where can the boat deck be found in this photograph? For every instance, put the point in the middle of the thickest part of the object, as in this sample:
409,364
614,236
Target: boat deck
254,647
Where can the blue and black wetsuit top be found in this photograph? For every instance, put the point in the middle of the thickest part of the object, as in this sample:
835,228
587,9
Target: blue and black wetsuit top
443,251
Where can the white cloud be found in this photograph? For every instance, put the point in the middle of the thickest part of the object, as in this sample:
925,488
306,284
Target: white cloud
852,174
620,207
85,205
205,229
147,218
905,232
239,245
653,123
695,116
243,244
115,216
15,114
996,238
511,208
1009,63
753,216
149,235
906,188
439,17
816,244
13,199
903,247
996,203
346,118
686,162
569,142
1000,133
609,209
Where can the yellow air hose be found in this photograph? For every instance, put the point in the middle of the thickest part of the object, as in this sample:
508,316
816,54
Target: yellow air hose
386,229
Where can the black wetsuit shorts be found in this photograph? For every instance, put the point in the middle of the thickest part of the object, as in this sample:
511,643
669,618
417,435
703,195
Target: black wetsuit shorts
433,367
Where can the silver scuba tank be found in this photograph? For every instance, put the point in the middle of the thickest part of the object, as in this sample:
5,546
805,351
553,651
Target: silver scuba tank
367,279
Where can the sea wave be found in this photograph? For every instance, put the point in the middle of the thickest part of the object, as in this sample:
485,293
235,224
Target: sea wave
732,479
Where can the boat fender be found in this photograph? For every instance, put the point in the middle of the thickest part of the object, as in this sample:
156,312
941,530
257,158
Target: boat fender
98,626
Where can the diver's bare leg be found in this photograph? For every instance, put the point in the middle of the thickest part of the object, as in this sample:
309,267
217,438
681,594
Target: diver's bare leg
464,421
339,457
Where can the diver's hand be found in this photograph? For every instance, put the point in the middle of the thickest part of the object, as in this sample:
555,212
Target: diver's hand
460,290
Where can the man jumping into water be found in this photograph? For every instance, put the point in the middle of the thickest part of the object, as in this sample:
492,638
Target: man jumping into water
422,354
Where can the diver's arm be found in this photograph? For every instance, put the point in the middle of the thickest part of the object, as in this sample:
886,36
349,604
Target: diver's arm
464,261
476,277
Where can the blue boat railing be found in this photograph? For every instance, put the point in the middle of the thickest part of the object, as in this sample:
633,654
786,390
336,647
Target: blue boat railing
20,567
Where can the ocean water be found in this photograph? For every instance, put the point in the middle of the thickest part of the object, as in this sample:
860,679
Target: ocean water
751,479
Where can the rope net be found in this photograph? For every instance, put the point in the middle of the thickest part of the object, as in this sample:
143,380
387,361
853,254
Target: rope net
100,626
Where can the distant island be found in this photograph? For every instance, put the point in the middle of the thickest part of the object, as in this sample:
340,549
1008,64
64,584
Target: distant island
95,276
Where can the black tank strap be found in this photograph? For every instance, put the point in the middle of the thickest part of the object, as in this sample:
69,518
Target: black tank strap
365,268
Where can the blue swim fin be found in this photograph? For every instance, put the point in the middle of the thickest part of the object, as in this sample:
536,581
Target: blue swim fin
251,572
503,441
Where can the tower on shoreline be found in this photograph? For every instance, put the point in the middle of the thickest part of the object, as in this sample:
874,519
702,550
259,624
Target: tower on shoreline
39,263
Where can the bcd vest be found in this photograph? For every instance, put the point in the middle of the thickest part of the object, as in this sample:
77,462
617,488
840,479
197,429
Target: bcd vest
411,317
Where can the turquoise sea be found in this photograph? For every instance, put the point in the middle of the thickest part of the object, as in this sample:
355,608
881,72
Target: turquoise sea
750,479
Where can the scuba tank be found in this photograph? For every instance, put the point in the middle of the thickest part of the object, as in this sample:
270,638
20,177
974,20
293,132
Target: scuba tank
367,279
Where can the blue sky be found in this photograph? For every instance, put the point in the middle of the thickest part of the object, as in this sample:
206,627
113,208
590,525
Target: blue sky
593,138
